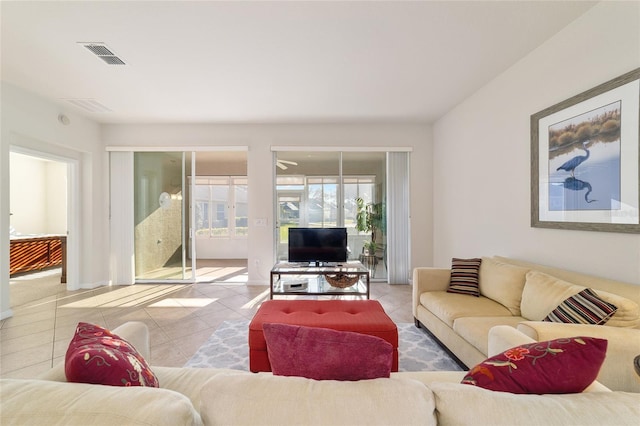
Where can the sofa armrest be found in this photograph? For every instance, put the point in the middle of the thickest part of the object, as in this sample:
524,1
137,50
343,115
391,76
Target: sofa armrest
136,333
617,372
428,279
431,279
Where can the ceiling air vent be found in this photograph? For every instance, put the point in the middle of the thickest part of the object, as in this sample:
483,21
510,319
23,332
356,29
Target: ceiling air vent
90,105
103,52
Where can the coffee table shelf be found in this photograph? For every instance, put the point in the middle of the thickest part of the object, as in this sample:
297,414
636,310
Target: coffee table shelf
289,279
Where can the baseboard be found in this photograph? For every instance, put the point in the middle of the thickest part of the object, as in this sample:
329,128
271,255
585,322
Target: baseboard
6,314
446,349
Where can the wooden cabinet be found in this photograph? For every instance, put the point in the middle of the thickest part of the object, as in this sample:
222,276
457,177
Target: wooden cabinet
34,253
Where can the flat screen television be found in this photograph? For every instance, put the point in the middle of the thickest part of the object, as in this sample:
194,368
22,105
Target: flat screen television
317,245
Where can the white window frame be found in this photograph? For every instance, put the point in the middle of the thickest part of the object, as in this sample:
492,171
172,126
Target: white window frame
230,207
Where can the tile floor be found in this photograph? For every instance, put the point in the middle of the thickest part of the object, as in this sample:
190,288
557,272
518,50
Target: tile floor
180,317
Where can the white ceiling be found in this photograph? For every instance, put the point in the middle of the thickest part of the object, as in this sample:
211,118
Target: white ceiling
268,62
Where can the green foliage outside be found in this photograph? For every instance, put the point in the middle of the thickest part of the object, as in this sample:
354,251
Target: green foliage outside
370,218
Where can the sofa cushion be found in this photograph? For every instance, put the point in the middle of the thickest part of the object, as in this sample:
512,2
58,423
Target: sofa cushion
565,365
277,400
470,406
543,293
450,306
475,330
582,308
189,381
464,276
627,314
503,283
41,402
325,354
96,355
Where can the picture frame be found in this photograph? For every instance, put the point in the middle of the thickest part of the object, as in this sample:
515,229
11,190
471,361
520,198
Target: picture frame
585,160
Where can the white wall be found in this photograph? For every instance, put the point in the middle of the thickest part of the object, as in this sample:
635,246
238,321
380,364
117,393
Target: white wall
28,195
31,123
260,138
38,197
222,248
482,161
56,190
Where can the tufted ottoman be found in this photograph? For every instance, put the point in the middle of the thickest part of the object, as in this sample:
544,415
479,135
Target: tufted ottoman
362,316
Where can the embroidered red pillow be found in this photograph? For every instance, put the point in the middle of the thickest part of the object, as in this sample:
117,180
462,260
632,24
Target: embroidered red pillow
566,365
96,355
325,354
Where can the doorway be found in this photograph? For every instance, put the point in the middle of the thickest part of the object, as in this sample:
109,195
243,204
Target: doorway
188,208
322,188
39,216
219,216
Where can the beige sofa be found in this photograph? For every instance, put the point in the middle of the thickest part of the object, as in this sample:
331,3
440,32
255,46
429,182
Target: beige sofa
521,294
191,396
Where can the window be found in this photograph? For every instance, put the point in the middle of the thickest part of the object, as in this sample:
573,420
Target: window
355,187
241,188
217,199
323,202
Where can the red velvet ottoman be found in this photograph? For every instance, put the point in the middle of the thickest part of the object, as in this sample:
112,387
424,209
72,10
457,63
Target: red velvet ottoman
362,316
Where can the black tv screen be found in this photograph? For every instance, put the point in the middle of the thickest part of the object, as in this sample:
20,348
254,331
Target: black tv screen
318,245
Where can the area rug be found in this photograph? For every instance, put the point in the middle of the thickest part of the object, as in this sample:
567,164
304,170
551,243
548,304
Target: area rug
228,348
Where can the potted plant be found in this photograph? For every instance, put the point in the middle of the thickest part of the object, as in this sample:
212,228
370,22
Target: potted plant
369,218
369,247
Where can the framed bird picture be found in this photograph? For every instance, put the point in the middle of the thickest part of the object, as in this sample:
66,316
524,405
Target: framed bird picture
585,160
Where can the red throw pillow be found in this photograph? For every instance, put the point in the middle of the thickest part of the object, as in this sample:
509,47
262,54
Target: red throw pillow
566,365
324,354
96,355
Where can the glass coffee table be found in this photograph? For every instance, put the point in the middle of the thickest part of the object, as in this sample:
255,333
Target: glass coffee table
345,279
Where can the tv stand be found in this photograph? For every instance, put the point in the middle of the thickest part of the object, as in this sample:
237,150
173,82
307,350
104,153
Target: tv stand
294,279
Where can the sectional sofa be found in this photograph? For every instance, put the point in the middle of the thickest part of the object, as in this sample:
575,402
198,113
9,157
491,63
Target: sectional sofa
192,396
521,294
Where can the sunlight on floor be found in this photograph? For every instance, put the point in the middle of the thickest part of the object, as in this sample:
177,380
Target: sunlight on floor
186,302
129,296
207,271
223,274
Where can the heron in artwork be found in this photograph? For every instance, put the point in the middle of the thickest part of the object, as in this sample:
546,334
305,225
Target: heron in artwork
570,165
578,185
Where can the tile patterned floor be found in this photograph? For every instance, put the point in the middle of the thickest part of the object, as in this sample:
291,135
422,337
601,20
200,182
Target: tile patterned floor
180,317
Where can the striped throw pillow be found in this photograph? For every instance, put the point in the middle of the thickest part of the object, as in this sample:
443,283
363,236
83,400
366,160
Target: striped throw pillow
464,276
585,307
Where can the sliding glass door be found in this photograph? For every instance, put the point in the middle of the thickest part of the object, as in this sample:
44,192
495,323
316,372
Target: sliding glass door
160,225
364,185
171,209
334,189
